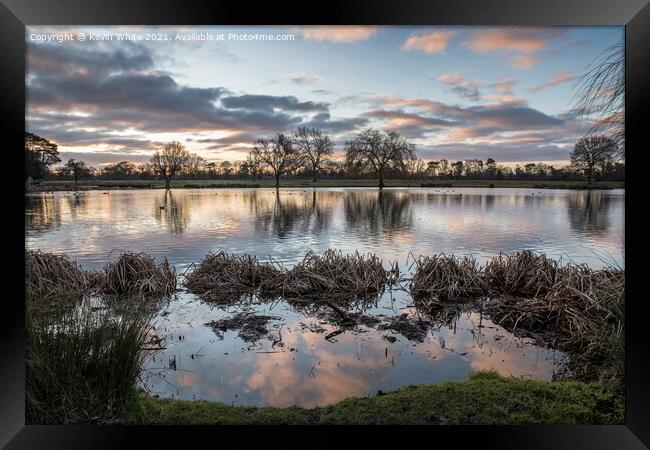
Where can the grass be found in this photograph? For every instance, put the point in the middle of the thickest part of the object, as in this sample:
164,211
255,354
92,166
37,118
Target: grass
486,398
81,367
64,185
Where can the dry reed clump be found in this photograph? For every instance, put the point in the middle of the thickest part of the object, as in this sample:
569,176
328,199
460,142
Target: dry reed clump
48,276
138,274
222,272
523,273
581,313
333,273
446,278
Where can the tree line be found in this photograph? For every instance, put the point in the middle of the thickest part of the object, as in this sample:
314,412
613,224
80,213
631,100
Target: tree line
309,152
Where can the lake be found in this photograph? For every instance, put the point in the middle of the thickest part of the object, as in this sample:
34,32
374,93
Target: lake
301,359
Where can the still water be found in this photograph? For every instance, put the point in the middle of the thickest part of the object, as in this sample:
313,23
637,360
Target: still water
300,359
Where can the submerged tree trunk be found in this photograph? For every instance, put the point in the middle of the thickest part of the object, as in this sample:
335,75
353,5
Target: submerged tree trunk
277,181
168,181
76,183
381,179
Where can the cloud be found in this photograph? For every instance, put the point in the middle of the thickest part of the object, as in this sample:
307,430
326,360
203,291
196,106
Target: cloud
430,42
90,60
509,122
409,124
522,40
305,79
505,99
504,87
559,77
113,98
98,159
464,88
337,34
501,152
524,62
520,44
270,103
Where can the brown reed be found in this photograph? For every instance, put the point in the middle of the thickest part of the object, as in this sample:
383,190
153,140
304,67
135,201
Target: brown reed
138,274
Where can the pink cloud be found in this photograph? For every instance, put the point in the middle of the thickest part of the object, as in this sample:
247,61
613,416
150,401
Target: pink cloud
506,39
504,87
558,77
338,34
525,62
521,44
431,42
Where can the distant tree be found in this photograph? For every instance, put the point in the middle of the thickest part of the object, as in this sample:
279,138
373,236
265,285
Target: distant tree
432,168
379,151
473,168
530,170
593,152
122,169
444,167
195,164
39,155
415,168
278,154
457,169
490,168
226,168
244,169
170,160
211,168
315,146
76,169
600,92
253,164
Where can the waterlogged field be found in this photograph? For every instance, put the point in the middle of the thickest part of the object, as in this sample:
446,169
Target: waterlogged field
283,353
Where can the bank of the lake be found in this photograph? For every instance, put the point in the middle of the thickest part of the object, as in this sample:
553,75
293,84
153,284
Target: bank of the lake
486,398
65,185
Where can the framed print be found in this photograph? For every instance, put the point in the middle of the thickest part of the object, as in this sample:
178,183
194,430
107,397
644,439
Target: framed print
382,214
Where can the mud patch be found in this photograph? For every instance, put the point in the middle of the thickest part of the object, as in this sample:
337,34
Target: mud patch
412,328
250,327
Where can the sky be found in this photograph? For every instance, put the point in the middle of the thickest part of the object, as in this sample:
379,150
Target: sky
108,94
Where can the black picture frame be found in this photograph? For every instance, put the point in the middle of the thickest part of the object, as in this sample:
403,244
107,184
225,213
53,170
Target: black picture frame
15,14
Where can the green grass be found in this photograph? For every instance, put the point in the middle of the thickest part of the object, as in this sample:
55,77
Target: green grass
58,185
486,398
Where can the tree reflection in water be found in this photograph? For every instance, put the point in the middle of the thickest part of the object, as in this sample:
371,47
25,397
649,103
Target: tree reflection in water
379,212
42,212
172,211
589,212
284,214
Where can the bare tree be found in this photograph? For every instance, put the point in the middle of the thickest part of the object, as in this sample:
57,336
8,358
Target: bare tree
277,154
592,153
253,165
170,161
315,146
600,93
195,164
379,151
